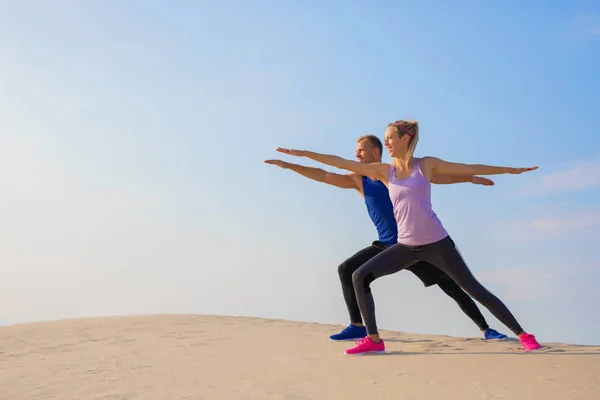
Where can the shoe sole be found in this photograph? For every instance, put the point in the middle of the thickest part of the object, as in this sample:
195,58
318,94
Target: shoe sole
345,340
366,353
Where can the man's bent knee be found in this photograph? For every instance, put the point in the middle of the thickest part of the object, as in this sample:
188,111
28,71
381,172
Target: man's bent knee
345,270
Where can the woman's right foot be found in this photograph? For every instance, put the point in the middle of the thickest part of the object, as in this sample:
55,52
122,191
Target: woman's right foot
528,342
352,332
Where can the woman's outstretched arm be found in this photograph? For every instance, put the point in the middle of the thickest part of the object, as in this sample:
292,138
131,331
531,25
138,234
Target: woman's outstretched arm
377,171
435,166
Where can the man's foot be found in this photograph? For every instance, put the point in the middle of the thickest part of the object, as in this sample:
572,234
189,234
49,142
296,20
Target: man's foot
352,332
367,346
528,342
493,334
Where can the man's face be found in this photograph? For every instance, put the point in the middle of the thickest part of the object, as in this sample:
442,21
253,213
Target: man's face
366,152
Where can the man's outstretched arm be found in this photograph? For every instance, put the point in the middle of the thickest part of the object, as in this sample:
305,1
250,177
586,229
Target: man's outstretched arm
450,179
319,175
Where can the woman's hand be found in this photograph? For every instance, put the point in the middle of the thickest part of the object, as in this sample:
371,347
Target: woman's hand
521,170
376,171
435,165
292,152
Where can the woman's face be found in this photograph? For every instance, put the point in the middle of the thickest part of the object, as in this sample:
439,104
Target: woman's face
394,144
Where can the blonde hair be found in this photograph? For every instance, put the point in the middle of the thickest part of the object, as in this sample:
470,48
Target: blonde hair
408,127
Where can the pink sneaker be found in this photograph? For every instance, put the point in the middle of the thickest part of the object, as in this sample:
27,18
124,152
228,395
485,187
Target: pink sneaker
366,346
528,342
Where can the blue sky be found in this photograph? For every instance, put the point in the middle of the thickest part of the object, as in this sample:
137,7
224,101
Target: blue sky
132,140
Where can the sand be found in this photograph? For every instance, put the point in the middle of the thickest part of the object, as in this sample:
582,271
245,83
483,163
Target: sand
213,357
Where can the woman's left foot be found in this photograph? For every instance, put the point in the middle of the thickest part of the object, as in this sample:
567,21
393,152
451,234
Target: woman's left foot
528,342
367,346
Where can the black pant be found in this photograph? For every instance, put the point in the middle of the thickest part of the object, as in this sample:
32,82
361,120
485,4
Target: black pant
442,254
429,275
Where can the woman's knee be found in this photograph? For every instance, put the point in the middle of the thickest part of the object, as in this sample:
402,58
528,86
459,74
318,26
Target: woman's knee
362,279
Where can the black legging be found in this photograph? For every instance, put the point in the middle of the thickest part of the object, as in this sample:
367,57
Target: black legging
442,254
348,267
464,301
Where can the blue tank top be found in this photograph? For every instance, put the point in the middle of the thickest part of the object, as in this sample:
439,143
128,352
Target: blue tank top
381,210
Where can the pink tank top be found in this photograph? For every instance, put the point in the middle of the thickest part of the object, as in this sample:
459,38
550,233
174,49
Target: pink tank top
411,197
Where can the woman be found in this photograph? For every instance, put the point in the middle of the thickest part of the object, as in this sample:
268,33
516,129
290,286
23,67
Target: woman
421,235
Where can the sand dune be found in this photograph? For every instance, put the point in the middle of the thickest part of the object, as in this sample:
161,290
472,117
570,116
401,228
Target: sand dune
212,357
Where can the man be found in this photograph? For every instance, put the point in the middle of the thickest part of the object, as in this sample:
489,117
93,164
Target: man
380,209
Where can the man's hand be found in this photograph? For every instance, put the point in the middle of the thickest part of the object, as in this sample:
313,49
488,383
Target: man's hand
478,180
319,175
279,163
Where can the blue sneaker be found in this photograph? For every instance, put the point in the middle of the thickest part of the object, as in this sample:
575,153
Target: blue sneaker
352,332
494,334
